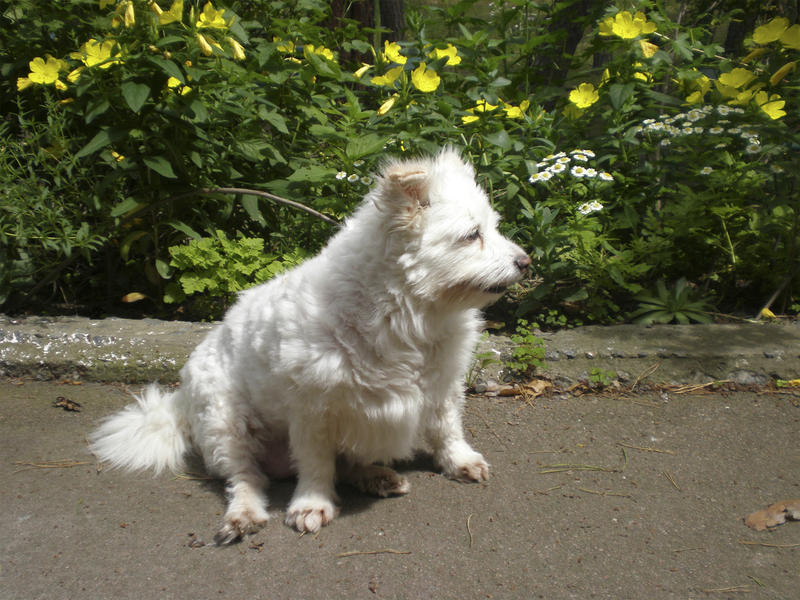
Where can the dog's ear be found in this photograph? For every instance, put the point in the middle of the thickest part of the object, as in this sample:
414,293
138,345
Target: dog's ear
412,184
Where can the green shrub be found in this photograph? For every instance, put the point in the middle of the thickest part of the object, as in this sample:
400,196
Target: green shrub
106,168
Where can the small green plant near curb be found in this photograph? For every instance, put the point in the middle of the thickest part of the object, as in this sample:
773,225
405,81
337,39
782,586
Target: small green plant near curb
601,378
528,352
481,360
668,305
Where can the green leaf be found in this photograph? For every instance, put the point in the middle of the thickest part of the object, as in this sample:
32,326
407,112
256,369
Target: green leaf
250,205
366,145
160,165
500,138
101,140
128,205
619,93
274,119
169,67
135,94
184,228
312,174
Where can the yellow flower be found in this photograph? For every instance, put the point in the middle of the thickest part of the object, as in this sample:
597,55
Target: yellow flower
648,49
45,72
695,97
480,106
205,47
425,79
584,95
772,105
175,84
23,83
641,75
388,78
117,156
627,26
791,37
75,74
451,52
105,3
781,73
211,18
174,14
755,53
387,106
361,70
736,78
516,112
130,15
322,51
94,53
770,32
285,47
238,50
391,50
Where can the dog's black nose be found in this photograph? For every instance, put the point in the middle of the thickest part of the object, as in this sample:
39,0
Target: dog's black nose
523,261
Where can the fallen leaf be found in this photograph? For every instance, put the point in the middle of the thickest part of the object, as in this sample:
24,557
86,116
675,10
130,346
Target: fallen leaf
133,297
774,515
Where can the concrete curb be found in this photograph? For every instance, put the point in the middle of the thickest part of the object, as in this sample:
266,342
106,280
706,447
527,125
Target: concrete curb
139,351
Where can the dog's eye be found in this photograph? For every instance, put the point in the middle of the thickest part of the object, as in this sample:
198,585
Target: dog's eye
473,235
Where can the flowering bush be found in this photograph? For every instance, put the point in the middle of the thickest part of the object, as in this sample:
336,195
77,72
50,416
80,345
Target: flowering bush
130,113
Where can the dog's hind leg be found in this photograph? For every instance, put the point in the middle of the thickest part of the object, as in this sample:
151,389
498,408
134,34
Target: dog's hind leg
235,458
246,512
376,480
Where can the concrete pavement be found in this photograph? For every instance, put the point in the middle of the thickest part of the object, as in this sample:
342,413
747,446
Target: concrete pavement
626,496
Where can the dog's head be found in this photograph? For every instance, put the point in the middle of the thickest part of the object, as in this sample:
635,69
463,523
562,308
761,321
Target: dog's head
449,246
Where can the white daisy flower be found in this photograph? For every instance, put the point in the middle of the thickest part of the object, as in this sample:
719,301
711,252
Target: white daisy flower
605,176
724,110
341,175
545,175
538,176
648,121
563,160
557,168
578,171
352,178
665,142
358,163
777,169
735,130
698,130
595,205
753,148
590,172
366,180
584,208
706,171
580,157
715,130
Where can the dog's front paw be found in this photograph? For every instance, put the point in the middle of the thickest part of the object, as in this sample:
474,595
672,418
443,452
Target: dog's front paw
464,464
472,471
310,512
240,522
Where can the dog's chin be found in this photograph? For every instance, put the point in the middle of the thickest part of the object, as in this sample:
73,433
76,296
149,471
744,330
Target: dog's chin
495,290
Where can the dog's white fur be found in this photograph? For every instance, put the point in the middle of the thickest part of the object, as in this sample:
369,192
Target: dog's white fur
359,353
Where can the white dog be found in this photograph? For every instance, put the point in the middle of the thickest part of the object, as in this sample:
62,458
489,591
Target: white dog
356,357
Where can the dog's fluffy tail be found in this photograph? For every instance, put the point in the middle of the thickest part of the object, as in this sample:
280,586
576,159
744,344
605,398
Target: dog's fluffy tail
150,434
